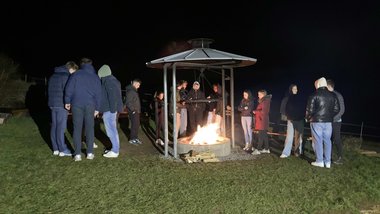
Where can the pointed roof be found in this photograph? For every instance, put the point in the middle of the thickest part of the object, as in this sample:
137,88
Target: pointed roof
203,56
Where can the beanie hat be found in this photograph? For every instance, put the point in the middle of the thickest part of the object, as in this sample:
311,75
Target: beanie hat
321,82
104,71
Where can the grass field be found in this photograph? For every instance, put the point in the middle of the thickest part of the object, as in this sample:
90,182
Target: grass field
34,181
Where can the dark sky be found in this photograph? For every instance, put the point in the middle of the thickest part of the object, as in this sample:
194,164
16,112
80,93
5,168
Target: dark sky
293,41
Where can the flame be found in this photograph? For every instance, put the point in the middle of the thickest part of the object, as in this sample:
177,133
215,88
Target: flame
206,135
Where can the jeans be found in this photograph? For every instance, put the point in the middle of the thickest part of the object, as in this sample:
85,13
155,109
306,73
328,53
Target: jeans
183,122
321,137
246,123
110,124
58,128
294,132
83,114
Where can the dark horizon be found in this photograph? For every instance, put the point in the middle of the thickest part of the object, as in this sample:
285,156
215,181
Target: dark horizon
295,42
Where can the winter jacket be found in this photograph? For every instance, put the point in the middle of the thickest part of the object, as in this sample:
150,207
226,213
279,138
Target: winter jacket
56,86
111,95
295,108
132,101
246,107
342,108
84,88
322,106
262,113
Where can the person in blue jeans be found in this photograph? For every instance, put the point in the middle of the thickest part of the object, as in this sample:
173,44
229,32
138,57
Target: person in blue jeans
246,108
295,114
321,108
82,96
56,87
111,105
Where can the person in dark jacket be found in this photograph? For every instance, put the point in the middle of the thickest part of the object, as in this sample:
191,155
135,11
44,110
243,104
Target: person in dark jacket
82,95
111,105
246,108
337,122
262,122
215,96
321,108
133,105
159,115
196,109
56,88
295,114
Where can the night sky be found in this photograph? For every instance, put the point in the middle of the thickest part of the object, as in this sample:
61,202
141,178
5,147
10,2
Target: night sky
293,42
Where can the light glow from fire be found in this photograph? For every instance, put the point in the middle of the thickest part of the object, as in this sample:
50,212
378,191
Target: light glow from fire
206,135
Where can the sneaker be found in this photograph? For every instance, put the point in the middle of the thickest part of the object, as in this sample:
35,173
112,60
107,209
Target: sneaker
95,146
246,148
339,161
283,156
77,158
266,151
319,164
134,142
111,154
159,141
56,152
328,165
138,141
255,152
64,154
90,156
106,151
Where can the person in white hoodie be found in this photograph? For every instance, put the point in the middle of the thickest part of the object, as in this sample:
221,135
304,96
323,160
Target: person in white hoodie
321,108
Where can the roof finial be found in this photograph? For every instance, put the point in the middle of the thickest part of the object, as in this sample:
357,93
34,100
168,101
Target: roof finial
200,42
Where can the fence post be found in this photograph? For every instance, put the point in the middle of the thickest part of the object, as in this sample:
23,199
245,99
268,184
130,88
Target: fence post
361,130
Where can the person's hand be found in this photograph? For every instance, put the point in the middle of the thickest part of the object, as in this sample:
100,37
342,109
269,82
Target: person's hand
96,113
133,112
246,107
68,107
254,112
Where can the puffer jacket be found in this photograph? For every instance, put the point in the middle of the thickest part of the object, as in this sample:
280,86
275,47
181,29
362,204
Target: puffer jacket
322,106
56,86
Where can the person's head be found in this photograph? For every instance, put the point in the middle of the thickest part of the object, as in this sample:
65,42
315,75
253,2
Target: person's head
71,66
104,71
183,84
247,94
159,95
85,60
293,89
261,93
136,83
321,82
196,85
330,85
215,87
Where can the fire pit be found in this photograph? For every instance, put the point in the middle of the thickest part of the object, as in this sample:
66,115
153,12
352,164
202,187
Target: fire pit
205,139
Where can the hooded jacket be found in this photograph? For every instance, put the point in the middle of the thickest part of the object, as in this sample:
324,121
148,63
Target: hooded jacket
322,105
56,86
84,88
111,99
262,113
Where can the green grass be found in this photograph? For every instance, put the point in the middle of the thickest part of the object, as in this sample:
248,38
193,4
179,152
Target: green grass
33,181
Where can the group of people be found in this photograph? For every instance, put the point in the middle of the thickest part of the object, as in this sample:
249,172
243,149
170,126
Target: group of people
324,110
89,94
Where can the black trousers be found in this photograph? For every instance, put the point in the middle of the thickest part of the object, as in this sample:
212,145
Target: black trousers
135,124
337,142
262,139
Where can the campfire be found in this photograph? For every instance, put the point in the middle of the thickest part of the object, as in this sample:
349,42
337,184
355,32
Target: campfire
206,138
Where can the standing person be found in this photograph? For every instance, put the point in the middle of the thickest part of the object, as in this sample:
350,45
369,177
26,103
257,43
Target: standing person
111,105
180,104
337,122
56,88
183,93
196,109
159,115
321,108
216,94
82,96
133,105
246,108
295,114
262,122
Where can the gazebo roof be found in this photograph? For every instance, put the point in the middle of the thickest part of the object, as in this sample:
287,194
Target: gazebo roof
203,57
